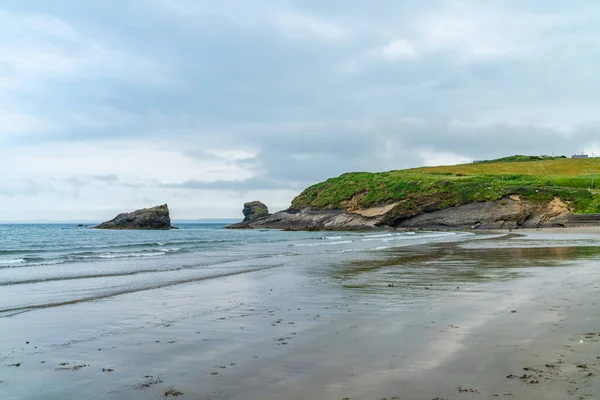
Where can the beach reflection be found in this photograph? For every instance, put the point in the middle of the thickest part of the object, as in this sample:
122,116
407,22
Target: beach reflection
452,266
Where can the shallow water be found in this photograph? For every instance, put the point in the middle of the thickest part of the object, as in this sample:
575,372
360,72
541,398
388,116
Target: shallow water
53,265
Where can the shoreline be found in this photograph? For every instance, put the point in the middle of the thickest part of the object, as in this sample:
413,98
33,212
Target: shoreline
553,229
509,212
423,322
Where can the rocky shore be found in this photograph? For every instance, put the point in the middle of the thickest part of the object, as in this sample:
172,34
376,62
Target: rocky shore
511,212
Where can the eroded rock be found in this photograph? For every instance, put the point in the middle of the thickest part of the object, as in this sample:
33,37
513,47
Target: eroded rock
511,212
147,218
255,210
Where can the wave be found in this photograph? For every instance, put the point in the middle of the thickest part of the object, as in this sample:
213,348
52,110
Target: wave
15,261
27,261
380,236
320,244
84,249
110,255
409,236
333,237
9,252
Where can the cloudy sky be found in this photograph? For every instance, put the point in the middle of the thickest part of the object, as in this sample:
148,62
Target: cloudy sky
107,106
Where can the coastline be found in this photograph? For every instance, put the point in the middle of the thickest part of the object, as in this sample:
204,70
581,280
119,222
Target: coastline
510,212
424,322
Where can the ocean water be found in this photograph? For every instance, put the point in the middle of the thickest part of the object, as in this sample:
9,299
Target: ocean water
52,265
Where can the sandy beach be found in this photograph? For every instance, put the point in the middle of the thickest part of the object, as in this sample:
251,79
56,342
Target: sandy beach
496,315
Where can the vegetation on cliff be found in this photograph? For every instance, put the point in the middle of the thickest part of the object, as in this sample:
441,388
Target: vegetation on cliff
538,179
254,210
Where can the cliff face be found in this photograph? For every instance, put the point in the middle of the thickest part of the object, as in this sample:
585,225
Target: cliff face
147,218
510,212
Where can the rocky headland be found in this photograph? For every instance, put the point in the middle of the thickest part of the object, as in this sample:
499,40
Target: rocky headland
511,193
508,213
148,218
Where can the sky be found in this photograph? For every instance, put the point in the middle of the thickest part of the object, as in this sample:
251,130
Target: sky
110,106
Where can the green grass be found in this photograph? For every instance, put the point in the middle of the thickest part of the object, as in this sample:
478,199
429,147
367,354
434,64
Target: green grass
538,180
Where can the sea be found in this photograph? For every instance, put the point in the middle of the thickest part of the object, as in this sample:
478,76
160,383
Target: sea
51,265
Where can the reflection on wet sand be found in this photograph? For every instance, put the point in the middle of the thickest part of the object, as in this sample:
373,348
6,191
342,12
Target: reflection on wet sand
446,266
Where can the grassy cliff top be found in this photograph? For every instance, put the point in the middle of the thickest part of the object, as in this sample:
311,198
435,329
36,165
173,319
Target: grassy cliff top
535,178
541,167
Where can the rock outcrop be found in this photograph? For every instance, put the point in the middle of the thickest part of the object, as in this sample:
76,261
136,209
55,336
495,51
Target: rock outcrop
147,218
508,213
511,212
254,210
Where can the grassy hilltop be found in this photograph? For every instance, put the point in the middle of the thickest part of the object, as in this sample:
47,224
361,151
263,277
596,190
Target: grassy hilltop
538,179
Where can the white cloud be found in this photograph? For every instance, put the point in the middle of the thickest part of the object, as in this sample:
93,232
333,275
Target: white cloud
398,48
132,161
393,51
16,124
299,25
566,116
94,180
436,158
291,23
480,31
38,46
233,155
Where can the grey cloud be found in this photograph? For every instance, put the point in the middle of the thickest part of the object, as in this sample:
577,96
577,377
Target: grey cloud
106,178
238,186
202,155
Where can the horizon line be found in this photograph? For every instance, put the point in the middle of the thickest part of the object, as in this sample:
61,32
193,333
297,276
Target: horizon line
180,221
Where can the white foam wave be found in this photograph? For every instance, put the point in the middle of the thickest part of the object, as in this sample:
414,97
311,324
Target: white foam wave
380,236
49,262
410,237
434,235
128,255
152,253
15,261
321,244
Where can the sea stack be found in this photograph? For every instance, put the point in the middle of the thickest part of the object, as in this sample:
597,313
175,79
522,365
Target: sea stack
254,210
147,218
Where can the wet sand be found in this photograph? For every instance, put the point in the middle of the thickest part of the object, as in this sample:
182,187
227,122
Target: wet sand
509,317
